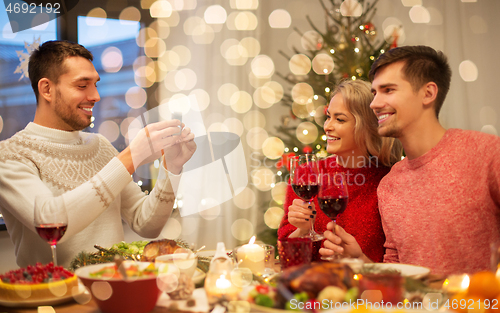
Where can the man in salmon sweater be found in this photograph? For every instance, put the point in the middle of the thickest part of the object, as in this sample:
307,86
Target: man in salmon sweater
440,206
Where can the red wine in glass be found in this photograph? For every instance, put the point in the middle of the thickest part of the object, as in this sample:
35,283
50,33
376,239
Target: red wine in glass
304,178
332,198
332,206
307,192
51,232
51,220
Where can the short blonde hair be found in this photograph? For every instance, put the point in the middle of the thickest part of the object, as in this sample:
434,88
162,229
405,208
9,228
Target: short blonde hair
357,97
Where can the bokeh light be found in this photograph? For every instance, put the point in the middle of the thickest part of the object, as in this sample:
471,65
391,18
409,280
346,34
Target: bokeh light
135,97
199,99
226,92
478,25
273,148
262,66
124,126
280,19
110,130
302,93
215,14
419,14
242,229
244,4
161,27
253,119
129,14
183,53
351,8
112,59
160,9
264,97
311,40
144,35
97,17
273,216
155,47
393,27
468,71
263,178
306,132
410,3
234,125
279,192
251,45
172,229
244,199
241,102
489,129
256,137
303,110
322,64
209,209
300,64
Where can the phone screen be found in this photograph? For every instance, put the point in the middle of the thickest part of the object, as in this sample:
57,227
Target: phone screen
177,116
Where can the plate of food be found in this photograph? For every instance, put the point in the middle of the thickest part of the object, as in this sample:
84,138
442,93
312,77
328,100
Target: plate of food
306,285
406,270
27,287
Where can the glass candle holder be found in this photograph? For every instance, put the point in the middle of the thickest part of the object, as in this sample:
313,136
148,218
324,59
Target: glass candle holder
381,287
259,260
294,251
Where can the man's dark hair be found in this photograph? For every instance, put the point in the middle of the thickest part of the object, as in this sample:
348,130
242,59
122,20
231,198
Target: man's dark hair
47,61
422,65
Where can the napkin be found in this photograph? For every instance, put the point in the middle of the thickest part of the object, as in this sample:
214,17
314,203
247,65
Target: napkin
199,295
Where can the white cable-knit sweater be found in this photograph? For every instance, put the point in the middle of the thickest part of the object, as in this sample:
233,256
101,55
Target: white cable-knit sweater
96,189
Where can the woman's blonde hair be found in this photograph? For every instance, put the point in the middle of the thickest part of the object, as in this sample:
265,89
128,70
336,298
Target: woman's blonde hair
357,97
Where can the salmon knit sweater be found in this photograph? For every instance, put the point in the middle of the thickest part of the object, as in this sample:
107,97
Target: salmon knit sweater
442,209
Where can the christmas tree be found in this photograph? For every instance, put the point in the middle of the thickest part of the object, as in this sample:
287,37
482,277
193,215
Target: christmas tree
346,49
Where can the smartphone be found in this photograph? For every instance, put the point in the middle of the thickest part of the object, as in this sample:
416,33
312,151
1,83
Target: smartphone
177,116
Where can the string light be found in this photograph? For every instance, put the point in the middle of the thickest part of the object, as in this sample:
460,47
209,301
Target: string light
286,149
332,51
296,149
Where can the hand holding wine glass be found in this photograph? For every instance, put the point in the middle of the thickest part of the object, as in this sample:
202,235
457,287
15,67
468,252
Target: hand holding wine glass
332,198
304,178
51,221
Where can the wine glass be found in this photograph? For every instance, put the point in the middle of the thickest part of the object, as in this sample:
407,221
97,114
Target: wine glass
50,221
304,178
332,198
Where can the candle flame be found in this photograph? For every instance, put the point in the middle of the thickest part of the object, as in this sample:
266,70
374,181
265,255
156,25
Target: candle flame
252,240
222,282
465,282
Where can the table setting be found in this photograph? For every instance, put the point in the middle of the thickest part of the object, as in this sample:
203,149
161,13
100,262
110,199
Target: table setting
253,277
172,276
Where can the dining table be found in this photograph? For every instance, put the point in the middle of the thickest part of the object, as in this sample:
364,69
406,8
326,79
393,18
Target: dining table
164,305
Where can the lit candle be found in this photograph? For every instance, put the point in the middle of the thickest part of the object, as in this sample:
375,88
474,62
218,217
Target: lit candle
456,283
221,290
252,256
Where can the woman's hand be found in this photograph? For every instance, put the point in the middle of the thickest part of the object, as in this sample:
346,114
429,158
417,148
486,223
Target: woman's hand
341,242
300,215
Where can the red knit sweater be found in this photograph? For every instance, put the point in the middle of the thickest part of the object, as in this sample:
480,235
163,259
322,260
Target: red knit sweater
442,209
361,217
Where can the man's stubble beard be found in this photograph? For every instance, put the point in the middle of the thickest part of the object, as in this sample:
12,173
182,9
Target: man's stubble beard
65,113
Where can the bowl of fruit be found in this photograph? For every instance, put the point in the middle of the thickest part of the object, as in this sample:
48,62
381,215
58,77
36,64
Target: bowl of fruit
131,287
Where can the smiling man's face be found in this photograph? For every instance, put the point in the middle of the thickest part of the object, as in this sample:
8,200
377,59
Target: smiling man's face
75,95
395,102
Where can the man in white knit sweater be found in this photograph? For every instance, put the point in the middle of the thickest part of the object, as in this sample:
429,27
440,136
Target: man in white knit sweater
82,171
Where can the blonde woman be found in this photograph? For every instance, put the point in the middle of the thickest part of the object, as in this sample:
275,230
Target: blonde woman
364,157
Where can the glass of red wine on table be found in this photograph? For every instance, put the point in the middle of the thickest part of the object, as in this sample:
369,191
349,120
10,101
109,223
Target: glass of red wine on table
51,221
332,198
304,178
